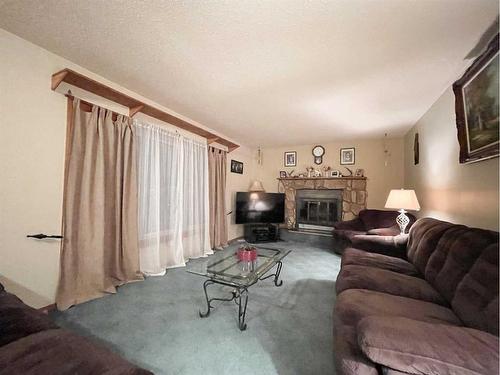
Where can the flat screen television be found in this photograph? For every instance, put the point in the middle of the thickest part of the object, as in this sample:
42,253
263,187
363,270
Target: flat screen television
260,208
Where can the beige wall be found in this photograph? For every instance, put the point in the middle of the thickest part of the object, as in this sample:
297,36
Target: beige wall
32,119
32,136
461,193
369,156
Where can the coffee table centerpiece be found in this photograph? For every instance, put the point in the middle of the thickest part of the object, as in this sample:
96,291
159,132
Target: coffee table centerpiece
240,269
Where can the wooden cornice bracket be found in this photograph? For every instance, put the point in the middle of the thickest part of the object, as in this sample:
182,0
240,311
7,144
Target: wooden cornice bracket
212,140
134,110
232,147
57,78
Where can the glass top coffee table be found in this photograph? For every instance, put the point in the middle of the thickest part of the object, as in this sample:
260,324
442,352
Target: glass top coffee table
225,268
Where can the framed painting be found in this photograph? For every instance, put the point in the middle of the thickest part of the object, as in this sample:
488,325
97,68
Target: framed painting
476,107
347,156
290,159
236,167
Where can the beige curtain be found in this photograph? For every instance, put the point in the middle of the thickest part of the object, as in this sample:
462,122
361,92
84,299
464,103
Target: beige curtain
99,250
217,197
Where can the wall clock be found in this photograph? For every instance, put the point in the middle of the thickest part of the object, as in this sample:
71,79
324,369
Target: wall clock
318,152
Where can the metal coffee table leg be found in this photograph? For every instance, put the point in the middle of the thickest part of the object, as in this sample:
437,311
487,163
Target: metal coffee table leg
276,275
209,300
242,308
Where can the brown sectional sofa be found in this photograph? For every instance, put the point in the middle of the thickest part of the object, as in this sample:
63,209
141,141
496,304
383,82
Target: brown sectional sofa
435,312
368,222
30,343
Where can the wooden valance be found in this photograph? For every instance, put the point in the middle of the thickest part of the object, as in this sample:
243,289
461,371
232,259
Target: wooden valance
85,83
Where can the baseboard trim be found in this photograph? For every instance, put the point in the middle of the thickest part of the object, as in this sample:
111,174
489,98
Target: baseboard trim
236,239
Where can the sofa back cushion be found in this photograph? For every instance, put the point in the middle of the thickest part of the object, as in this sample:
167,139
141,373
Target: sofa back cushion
373,219
378,218
423,239
476,297
455,254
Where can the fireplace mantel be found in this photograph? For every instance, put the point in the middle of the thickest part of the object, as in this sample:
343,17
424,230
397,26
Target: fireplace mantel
353,193
322,178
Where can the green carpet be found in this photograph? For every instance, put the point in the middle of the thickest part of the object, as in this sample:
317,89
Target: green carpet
155,323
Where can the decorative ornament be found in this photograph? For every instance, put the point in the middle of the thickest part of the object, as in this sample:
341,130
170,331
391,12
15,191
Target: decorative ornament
310,170
387,153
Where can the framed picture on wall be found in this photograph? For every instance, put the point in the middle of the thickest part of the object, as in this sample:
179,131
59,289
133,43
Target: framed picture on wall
236,167
347,156
290,158
476,107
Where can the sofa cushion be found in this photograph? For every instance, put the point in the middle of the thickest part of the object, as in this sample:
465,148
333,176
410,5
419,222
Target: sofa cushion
476,298
358,257
456,252
355,304
62,352
379,280
423,239
349,359
390,231
18,320
347,234
407,345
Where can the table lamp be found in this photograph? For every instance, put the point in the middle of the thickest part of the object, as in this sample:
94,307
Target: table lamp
256,186
402,200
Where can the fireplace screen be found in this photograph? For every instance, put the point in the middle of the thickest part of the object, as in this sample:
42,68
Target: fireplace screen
318,209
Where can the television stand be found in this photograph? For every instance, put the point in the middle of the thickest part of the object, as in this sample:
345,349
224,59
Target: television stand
255,233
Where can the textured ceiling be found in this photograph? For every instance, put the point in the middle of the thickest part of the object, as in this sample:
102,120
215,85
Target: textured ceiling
268,72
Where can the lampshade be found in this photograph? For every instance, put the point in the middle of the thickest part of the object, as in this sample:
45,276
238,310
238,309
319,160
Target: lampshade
256,186
402,199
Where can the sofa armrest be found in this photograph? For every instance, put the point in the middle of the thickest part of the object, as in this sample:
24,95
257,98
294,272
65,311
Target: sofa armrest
354,224
388,245
390,231
417,347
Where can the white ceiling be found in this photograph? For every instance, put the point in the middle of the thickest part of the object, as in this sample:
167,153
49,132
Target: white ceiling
269,72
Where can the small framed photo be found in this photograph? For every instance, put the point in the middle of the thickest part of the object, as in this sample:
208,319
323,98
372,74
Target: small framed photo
335,174
359,173
290,159
347,156
236,167
283,174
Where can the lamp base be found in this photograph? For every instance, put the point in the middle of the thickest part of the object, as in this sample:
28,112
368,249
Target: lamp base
403,220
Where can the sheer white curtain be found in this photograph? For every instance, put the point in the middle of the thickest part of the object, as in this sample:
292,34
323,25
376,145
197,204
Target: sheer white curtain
173,199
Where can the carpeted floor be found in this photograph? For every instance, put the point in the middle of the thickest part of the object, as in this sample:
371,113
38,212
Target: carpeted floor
155,323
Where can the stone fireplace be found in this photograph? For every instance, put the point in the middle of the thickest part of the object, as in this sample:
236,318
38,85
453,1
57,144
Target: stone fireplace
337,198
